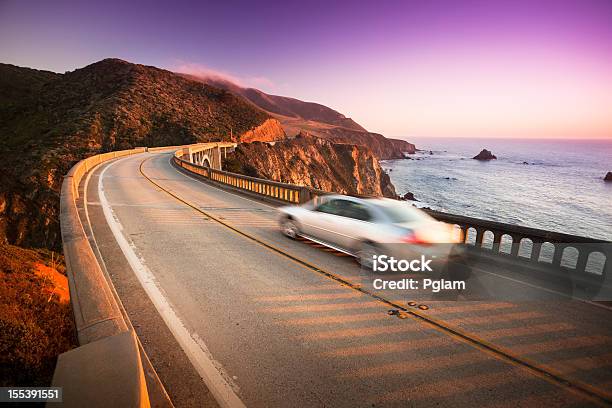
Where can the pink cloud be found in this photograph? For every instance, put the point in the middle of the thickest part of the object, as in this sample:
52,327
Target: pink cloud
202,71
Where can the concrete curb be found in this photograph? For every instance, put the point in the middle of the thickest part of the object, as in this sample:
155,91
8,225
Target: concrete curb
107,365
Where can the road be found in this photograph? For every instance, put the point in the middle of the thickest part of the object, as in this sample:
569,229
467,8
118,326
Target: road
219,297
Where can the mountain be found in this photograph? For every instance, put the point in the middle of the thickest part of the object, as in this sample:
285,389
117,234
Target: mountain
285,106
314,162
297,116
50,121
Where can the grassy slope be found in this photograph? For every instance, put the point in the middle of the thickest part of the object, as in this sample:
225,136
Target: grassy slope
35,323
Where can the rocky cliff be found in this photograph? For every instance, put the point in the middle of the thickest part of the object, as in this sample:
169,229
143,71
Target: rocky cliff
270,130
50,121
314,162
382,147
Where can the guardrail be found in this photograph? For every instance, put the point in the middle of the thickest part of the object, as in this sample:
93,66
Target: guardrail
271,190
96,312
107,365
591,257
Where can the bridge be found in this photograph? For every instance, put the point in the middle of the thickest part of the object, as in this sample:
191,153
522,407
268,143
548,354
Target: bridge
184,293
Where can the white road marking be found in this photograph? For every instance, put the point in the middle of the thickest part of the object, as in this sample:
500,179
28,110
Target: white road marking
199,355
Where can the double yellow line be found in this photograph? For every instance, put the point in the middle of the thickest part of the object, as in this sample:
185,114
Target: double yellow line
540,371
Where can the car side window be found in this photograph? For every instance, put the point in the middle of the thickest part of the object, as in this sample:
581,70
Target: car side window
358,211
330,207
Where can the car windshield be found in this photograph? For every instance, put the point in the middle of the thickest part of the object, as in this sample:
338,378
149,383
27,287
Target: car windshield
399,214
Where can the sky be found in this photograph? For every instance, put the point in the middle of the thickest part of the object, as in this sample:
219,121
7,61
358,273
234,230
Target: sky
412,68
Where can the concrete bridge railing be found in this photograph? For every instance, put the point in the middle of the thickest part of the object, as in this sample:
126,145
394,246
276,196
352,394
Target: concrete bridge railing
587,256
266,189
106,369
208,154
590,257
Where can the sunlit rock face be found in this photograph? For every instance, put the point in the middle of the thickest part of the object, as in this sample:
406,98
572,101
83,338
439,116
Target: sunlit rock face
314,162
269,131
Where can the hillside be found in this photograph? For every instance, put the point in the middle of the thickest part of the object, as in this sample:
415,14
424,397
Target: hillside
297,116
285,106
35,316
314,162
50,121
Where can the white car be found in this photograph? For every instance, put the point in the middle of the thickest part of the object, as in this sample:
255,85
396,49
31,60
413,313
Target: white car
367,227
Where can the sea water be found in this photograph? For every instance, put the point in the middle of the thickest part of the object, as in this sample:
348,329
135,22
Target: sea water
555,185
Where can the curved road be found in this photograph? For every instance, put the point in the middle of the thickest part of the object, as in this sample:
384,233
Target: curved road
264,330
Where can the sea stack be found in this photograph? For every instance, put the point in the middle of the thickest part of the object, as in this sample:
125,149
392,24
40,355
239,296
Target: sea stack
408,197
484,155
608,176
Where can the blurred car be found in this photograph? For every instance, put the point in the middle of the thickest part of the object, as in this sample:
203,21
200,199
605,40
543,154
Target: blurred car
367,227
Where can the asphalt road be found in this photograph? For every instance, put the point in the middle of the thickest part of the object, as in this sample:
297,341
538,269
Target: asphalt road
265,330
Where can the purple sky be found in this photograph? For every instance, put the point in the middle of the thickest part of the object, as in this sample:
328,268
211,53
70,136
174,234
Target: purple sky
407,68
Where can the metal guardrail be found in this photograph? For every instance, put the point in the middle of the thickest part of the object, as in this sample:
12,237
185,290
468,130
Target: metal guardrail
585,255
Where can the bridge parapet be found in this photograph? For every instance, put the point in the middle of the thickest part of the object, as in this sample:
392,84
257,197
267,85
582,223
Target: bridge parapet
108,360
267,189
587,256
207,154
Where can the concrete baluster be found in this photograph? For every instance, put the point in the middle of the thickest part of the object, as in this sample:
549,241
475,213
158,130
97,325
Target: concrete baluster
516,244
535,251
556,261
479,234
496,241
583,257
463,237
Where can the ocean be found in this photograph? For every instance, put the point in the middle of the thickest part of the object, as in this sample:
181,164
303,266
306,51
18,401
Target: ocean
555,185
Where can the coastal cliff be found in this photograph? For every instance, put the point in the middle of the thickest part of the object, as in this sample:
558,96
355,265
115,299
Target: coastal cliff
269,131
314,162
382,147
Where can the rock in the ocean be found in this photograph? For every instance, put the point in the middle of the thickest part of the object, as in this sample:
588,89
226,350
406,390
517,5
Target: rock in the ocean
608,176
408,197
485,155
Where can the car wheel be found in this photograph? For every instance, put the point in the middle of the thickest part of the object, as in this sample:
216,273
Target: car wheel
289,228
366,253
